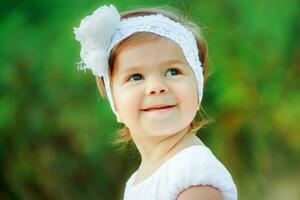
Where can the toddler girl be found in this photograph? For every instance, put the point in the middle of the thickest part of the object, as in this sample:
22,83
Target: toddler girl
151,65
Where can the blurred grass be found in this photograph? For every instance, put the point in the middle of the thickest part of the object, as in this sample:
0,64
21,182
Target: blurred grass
56,132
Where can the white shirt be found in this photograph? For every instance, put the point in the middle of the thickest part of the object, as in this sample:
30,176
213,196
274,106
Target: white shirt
191,166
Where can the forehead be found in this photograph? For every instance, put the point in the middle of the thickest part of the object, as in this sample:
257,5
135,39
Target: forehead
147,49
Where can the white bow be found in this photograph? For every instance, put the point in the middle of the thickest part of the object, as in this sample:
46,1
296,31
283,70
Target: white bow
94,34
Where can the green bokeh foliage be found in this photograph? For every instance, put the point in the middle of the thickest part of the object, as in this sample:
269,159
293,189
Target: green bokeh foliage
56,132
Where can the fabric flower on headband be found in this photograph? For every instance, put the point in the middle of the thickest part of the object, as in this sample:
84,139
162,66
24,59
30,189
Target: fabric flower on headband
94,34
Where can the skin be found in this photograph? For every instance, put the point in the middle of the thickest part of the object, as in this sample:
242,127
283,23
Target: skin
142,77
200,193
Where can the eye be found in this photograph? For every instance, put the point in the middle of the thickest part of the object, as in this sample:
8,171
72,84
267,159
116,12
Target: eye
135,77
173,71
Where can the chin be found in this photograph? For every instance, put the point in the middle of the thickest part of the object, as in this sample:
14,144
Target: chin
167,131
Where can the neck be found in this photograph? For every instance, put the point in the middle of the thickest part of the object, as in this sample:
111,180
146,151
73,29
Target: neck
155,151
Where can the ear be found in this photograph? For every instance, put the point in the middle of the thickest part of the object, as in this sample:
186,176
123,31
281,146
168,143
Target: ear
118,117
117,113
198,107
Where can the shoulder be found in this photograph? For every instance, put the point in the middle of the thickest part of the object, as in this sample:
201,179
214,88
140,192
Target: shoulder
198,167
200,192
198,162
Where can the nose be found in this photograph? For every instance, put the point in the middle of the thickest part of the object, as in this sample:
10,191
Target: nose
155,87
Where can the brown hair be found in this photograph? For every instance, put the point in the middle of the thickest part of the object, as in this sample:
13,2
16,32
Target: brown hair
123,136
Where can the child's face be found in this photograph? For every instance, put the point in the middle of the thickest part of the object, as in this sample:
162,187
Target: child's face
143,78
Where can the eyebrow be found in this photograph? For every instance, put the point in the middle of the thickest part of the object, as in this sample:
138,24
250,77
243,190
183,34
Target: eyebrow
138,67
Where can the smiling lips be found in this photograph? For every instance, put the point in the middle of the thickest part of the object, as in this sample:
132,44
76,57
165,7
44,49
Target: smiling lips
158,107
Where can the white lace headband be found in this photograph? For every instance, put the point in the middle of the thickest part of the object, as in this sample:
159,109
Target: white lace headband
100,32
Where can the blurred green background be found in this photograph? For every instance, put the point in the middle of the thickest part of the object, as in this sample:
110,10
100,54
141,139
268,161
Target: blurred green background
56,132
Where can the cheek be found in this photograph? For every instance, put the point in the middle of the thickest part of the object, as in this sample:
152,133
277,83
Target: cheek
127,99
188,102
187,94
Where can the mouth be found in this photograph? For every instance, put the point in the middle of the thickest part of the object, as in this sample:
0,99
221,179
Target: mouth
159,108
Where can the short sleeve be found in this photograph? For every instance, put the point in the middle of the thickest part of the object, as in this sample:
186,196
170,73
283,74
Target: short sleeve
200,167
